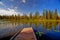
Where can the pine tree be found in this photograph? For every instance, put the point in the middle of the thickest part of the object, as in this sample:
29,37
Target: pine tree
55,14
30,15
49,15
46,14
37,15
43,15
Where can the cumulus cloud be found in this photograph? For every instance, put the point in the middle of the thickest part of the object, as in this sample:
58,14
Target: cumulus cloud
9,12
24,1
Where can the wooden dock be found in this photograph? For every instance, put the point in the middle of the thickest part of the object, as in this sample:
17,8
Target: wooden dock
26,34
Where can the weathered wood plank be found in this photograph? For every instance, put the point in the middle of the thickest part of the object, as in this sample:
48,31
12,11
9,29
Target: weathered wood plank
26,34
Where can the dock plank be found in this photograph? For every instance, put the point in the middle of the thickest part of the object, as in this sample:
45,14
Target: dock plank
26,34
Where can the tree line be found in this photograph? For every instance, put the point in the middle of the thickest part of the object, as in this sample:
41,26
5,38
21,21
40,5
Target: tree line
46,14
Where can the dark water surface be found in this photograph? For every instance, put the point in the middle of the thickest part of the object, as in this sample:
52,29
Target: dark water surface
43,30
47,32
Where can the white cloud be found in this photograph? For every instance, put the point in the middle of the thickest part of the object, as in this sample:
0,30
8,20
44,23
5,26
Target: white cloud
1,3
9,12
24,1
15,7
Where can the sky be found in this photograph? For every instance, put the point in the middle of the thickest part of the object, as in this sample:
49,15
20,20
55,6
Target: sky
9,7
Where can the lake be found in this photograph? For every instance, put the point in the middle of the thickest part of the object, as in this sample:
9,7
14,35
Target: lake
42,30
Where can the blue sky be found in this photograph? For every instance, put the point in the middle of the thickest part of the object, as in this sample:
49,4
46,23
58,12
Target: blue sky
26,6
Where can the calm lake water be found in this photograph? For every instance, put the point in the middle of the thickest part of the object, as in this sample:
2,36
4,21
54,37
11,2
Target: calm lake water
43,30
